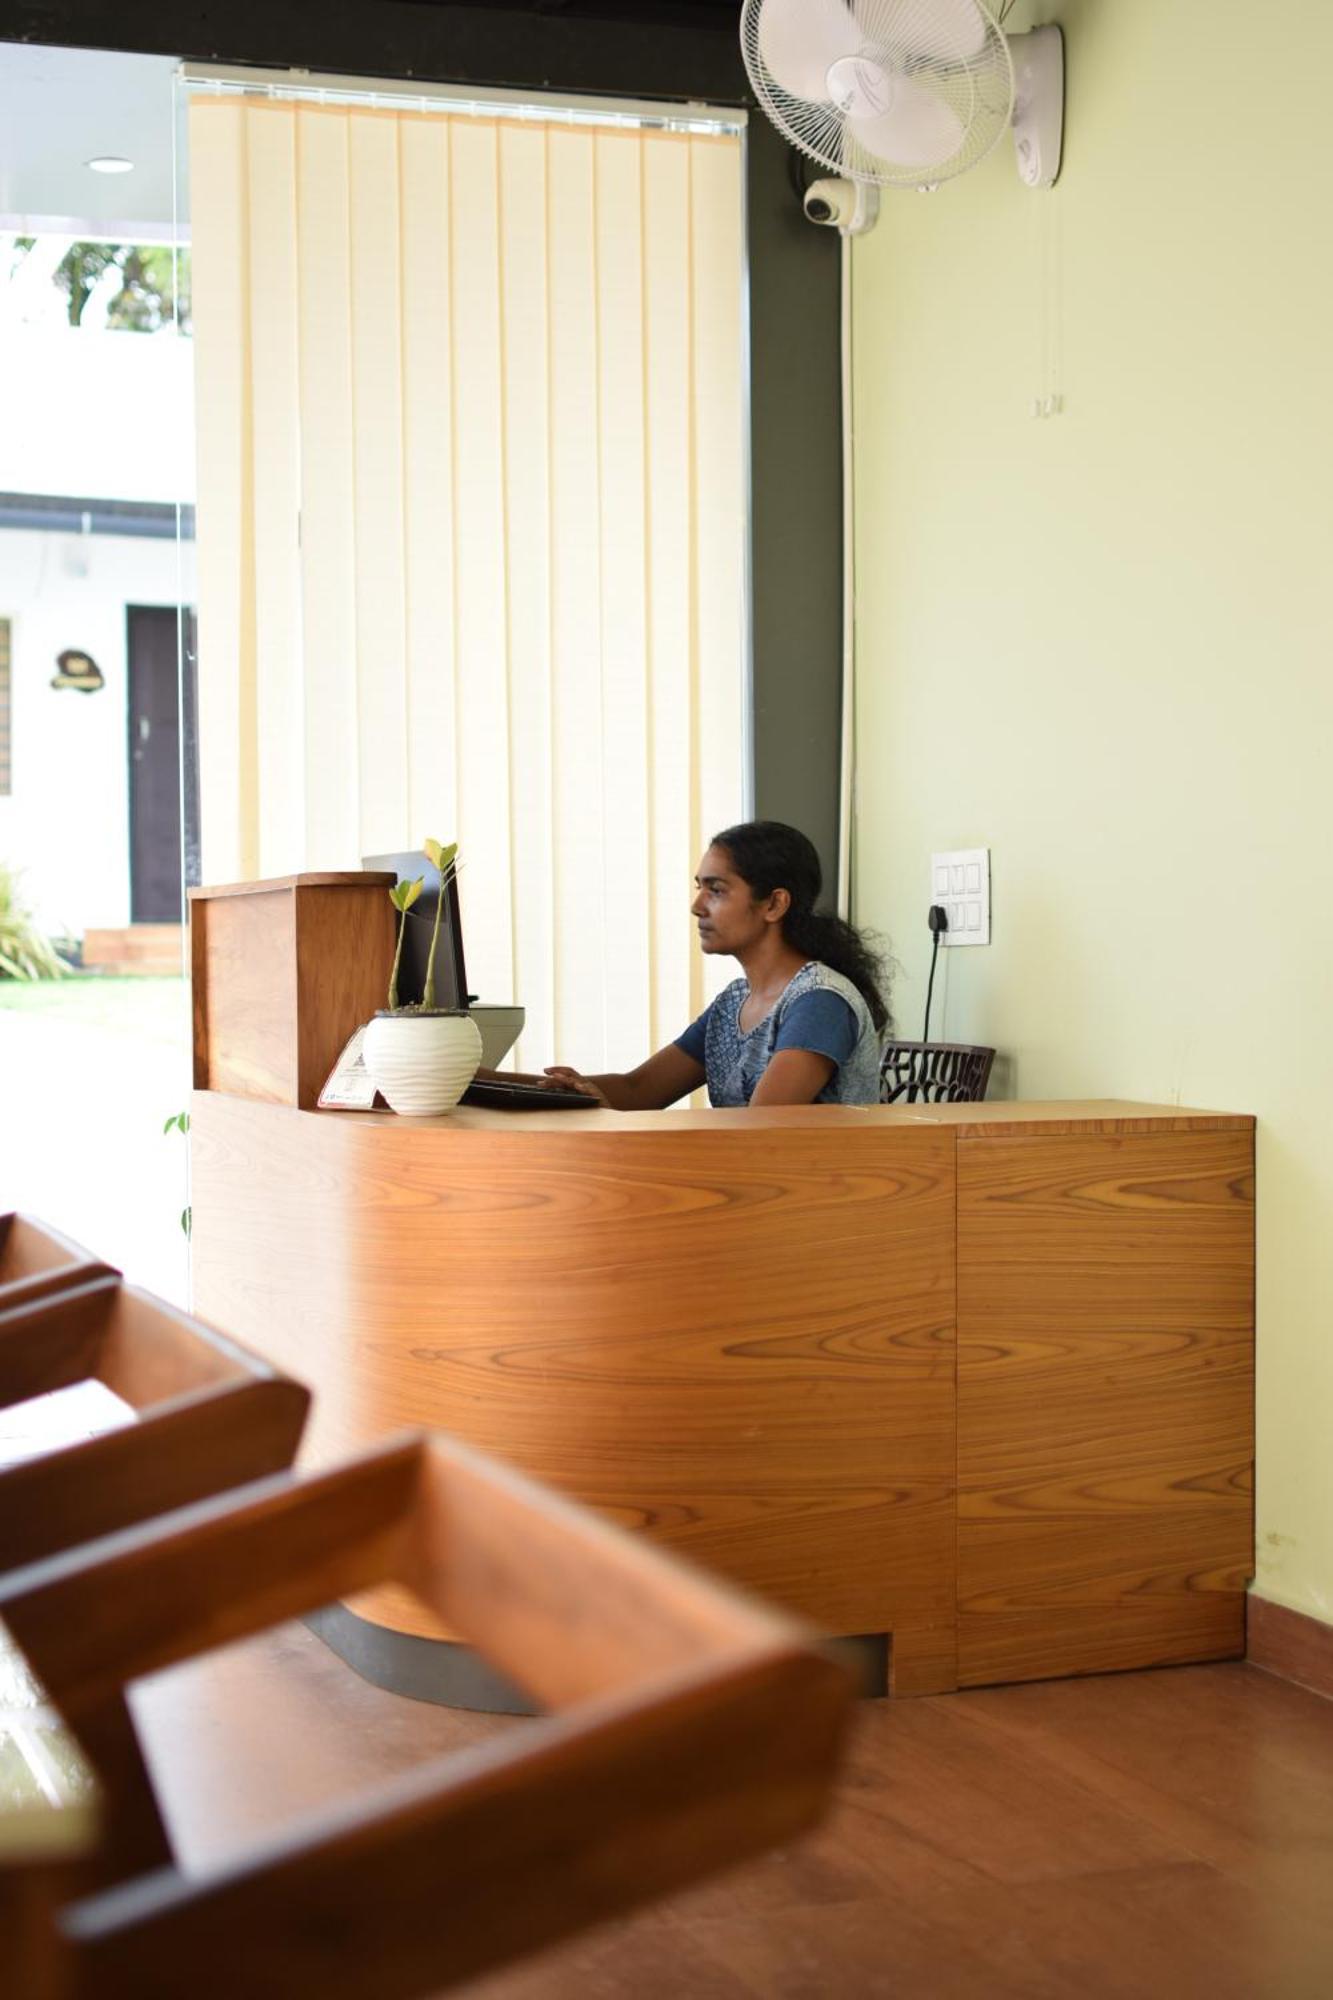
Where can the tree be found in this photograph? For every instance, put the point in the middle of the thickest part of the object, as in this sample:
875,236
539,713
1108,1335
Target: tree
154,284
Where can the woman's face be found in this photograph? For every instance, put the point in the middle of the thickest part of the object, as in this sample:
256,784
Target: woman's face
724,907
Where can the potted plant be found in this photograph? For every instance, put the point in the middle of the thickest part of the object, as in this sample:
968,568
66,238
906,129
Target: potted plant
422,1057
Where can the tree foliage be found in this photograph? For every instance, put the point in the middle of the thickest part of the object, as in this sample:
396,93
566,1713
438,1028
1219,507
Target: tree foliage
154,284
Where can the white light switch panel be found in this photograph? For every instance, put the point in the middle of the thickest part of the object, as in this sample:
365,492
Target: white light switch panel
961,882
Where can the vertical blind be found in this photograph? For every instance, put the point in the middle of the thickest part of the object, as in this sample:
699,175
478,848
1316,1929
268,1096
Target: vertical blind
472,528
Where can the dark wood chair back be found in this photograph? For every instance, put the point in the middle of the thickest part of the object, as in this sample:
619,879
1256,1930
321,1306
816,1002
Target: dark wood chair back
208,1415
687,1728
36,1260
934,1073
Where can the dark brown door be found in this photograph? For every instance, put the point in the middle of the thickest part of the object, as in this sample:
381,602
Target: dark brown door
155,759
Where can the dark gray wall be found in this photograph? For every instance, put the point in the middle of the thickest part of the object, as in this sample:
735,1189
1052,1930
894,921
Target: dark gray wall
796,461
667,51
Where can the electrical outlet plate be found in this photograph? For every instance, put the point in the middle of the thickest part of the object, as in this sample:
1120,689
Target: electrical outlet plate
961,882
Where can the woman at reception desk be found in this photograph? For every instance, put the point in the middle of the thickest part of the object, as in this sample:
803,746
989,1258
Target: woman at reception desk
802,1023
968,1384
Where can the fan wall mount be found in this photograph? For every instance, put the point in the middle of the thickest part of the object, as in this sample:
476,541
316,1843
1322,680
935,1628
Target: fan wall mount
905,93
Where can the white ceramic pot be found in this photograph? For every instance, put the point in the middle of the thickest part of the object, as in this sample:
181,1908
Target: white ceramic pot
422,1063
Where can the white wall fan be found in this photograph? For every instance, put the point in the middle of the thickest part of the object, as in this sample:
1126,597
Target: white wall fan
906,93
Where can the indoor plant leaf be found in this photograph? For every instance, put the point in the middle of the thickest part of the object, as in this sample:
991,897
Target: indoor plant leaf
404,894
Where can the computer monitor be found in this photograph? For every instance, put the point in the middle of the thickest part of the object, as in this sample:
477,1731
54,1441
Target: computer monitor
450,971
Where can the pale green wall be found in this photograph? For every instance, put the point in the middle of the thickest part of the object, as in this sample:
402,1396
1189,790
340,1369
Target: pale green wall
1102,644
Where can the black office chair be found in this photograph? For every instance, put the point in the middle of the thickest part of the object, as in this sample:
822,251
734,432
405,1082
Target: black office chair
934,1073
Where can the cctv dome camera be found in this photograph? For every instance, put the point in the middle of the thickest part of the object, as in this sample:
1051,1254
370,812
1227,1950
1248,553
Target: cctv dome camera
847,206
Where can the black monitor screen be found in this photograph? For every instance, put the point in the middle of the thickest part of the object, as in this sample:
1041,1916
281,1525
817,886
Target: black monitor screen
450,971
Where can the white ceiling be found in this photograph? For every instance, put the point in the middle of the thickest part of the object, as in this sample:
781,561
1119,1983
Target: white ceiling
62,107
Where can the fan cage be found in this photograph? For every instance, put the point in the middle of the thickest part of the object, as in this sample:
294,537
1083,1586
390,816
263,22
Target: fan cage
977,87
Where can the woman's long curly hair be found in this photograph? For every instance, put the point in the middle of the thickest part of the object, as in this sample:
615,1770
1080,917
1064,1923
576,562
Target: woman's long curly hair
768,855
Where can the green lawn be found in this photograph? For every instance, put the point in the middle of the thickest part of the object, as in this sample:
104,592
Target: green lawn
155,1007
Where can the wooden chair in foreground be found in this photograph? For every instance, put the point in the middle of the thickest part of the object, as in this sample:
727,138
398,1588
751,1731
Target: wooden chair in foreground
690,1728
210,1416
36,1260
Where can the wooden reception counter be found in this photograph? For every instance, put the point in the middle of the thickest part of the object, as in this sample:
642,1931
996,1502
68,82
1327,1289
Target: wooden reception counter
975,1377
973,1381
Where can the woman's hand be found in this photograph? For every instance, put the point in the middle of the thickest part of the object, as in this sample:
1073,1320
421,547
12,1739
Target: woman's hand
558,1077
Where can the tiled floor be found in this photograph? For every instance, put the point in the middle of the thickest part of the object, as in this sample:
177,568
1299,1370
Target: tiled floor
1157,1836
1154,1836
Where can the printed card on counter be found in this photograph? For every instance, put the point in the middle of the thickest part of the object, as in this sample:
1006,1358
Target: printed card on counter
349,1087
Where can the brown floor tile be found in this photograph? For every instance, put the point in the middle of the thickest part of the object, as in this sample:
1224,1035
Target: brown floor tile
1154,1836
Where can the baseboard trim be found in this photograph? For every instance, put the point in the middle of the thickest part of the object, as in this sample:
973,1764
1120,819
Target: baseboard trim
1290,1644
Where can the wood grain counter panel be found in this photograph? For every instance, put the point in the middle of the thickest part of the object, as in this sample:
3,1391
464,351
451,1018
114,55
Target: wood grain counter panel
1105,1399
740,1342
1086,1116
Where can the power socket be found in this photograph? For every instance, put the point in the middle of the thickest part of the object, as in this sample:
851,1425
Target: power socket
960,882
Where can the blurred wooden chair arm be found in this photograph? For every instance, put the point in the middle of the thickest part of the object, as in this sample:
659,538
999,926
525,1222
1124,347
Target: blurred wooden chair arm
210,1415
36,1260
689,1728
207,1416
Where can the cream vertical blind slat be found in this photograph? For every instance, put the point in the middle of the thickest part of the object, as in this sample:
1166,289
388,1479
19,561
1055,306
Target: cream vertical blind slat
482,686
377,442
328,490
492,371
230,802
428,477
523,262
626,848
719,539
578,749
276,434
669,469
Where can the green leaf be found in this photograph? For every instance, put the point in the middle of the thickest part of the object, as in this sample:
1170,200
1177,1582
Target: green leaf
25,951
441,857
404,894
170,1122
187,1220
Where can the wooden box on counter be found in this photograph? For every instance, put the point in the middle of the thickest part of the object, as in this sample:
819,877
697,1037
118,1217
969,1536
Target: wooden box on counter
283,973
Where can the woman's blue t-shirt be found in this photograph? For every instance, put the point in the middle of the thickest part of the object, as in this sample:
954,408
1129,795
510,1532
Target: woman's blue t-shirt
818,1010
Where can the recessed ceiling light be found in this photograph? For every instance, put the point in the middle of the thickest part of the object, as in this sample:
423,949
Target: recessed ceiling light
110,163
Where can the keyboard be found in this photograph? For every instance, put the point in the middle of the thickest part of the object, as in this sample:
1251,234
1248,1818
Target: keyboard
513,1095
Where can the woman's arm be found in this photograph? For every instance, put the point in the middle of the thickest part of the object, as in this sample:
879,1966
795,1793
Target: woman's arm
793,1076
663,1079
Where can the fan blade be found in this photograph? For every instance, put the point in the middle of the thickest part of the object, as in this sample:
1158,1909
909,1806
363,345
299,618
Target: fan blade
917,131
938,31
800,39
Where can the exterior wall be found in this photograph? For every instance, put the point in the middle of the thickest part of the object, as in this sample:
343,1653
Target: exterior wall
107,416
101,416
1099,643
66,824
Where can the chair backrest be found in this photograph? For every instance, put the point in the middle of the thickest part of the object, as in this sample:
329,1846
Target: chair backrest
36,1260
208,1416
934,1073
690,1728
